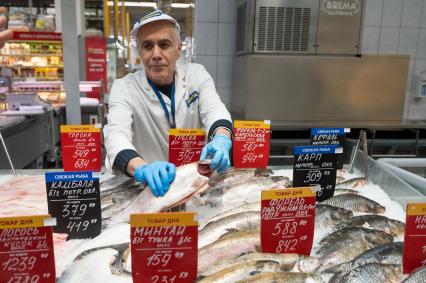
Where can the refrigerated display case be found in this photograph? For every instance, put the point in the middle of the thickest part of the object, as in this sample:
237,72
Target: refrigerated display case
33,56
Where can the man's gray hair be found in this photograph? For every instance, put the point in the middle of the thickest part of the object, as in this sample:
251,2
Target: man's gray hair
139,39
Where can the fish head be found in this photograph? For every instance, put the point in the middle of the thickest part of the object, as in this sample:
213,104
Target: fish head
204,169
267,266
378,237
396,228
360,183
341,214
308,264
393,273
375,207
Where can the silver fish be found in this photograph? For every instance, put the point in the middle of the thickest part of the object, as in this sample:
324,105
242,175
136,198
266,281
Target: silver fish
244,221
241,271
287,262
352,183
327,216
235,175
119,200
418,275
282,277
356,203
254,206
228,247
373,273
377,222
389,254
334,247
187,182
344,191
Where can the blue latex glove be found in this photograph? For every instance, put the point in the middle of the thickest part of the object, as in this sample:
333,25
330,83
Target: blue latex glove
158,175
218,149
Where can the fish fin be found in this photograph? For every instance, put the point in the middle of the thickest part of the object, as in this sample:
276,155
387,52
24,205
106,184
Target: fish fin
261,172
254,272
230,232
344,267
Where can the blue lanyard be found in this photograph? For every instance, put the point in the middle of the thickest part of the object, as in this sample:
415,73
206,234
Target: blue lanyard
172,122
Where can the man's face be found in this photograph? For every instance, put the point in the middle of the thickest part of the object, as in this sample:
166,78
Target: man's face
159,49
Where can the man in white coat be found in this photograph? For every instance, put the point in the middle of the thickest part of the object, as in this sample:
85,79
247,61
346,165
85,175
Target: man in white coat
144,105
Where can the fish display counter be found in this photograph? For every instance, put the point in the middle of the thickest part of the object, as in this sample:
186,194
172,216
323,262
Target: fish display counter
358,232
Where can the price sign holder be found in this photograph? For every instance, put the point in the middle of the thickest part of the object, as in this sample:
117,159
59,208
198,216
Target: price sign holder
330,136
414,251
185,145
164,247
251,144
26,249
316,165
81,148
74,199
287,221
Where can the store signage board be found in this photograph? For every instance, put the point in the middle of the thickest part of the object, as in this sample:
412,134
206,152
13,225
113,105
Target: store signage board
185,145
74,199
251,144
164,247
287,220
316,165
36,36
414,251
330,136
26,249
81,147
96,63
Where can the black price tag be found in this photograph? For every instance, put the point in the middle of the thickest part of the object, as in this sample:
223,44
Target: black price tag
316,165
74,199
330,136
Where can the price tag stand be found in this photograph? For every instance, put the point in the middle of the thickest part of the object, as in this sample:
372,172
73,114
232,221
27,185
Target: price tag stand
330,136
81,148
74,199
316,165
26,250
287,221
164,247
251,144
185,145
414,252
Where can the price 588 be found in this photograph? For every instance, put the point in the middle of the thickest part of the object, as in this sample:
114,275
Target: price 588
285,228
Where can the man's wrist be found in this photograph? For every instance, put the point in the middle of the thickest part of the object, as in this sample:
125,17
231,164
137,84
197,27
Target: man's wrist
133,164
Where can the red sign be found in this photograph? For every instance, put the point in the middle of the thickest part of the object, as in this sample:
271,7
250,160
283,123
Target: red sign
251,144
414,252
164,247
287,221
185,145
37,36
26,250
96,69
81,148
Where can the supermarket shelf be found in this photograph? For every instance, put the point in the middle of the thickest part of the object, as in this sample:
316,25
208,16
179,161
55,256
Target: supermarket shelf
32,54
30,67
